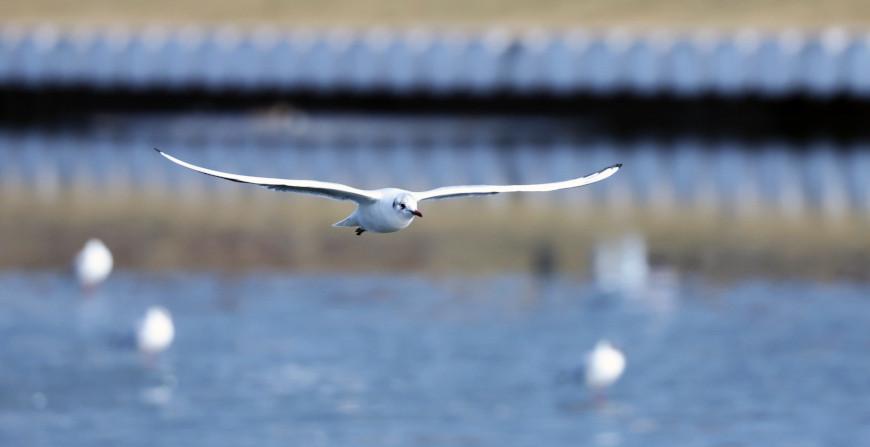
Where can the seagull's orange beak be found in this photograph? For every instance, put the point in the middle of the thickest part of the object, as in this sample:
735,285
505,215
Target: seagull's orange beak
417,213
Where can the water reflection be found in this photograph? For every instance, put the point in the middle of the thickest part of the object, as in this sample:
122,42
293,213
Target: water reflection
731,176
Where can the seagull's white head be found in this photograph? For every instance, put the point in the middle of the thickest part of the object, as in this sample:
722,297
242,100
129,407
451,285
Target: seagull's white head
406,205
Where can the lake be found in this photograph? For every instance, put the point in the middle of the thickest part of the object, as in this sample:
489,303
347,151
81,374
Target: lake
334,360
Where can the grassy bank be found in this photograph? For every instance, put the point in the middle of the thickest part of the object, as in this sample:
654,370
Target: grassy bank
151,233
688,14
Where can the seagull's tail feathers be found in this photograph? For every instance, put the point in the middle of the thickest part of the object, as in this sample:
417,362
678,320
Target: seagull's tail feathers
349,221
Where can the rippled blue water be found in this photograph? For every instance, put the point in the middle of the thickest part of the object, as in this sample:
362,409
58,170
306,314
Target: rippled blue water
382,361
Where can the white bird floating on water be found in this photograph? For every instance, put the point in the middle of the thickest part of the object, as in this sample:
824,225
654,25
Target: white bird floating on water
93,264
390,209
604,365
155,332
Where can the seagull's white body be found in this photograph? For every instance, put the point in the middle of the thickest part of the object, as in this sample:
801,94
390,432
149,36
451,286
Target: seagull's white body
93,264
379,216
155,332
389,209
604,366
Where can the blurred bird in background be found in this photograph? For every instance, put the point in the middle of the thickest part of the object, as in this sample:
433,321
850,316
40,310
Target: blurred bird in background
92,265
155,333
604,366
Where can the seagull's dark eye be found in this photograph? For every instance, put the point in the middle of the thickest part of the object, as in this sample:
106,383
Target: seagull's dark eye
402,205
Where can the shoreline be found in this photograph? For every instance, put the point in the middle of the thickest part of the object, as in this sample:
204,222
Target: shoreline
672,14
153,234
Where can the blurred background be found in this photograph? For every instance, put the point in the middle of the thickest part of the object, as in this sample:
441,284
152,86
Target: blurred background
727,262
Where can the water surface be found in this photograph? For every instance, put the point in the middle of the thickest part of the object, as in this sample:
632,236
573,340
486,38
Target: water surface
405,360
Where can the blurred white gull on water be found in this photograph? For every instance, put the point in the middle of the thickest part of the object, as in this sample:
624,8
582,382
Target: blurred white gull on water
156,331
93,264
621,266
604,366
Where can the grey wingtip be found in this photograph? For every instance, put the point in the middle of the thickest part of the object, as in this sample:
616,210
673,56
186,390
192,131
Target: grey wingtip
164,154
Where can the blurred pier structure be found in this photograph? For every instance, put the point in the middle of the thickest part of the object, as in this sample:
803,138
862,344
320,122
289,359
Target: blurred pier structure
752,146
818,64
731,177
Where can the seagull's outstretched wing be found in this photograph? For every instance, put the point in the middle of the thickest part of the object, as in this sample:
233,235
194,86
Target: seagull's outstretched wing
335,191
448,192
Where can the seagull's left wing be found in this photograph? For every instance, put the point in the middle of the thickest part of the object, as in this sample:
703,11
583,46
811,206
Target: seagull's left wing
448,192
335,191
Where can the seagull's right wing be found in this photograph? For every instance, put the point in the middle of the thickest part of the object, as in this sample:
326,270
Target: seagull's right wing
448,192
335,191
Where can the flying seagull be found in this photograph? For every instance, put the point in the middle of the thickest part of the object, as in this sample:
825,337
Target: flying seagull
389,209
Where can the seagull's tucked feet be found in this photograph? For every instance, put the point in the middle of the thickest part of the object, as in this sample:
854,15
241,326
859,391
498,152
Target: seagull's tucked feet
360,231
